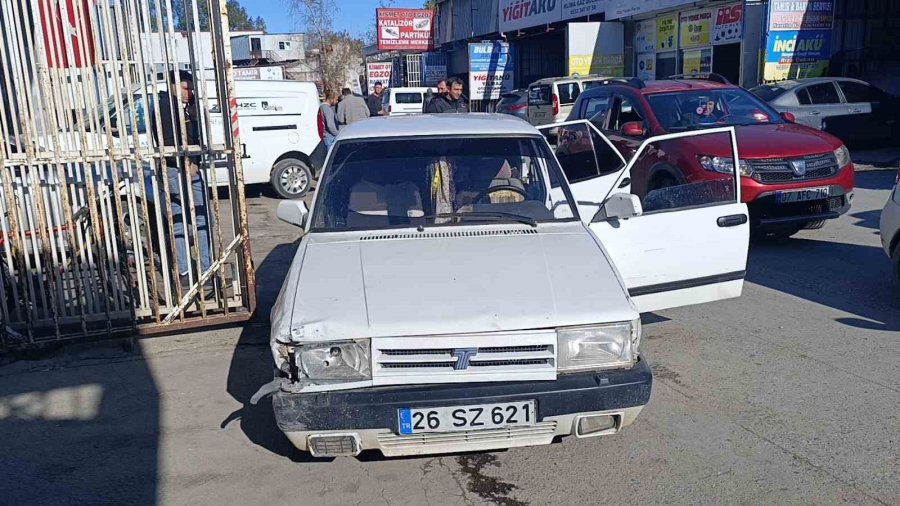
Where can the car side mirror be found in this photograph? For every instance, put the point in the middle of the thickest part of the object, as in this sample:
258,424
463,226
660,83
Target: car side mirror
293,212
633,129
620,206
790,118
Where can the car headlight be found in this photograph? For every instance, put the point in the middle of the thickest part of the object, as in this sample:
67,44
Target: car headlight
598,346
842,154
724,165
336,361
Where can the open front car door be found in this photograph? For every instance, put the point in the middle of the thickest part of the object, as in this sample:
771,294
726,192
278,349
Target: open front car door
676,242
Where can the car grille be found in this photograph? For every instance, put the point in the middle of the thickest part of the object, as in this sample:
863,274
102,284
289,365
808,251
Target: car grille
778,170
502,356
539,433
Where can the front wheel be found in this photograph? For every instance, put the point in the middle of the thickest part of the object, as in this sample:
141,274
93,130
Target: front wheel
291,178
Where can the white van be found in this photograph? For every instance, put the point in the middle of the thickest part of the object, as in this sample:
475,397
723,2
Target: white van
279,130
404,101
551,99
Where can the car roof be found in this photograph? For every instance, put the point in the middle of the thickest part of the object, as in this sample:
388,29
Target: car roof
793,83
418,125
567,79
662,86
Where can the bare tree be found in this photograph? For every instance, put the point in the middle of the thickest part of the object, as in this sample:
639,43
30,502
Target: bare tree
337,52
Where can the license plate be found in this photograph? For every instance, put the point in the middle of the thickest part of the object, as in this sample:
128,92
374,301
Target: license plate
540,115
784,197
473,417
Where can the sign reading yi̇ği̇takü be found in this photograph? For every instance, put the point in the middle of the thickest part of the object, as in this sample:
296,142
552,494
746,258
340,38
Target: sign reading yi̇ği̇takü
404,29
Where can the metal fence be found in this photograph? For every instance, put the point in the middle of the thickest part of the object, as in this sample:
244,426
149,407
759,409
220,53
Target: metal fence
122,198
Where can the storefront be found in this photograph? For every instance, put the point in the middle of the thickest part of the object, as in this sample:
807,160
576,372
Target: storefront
689,41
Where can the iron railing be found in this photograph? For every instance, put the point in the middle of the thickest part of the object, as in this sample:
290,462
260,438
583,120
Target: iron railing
95,206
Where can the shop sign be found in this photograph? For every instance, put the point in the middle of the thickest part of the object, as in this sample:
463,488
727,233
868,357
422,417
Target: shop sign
645,36
624,8
491,70
801,15
797,55
579,8
696,61
666,33
434,68
516,14
378,73
694,28
404,29
646,67
729,24
596,48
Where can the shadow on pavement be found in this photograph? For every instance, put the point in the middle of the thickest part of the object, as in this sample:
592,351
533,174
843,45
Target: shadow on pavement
851,278
81,426
875,180
867,219
251,364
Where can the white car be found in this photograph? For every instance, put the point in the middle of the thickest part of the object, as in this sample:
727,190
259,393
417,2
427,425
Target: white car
452,292
890,229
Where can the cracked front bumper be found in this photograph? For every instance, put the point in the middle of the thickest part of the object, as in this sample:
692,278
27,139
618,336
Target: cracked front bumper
366,419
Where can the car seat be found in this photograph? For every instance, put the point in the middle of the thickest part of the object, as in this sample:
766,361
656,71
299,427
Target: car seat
381,198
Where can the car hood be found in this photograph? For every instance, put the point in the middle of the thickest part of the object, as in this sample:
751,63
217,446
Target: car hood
767,141
448,281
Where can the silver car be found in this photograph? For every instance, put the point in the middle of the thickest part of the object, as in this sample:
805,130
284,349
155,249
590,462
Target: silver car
890,229
852,110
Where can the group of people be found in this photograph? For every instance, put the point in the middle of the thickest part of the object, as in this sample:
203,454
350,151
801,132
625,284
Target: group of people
349,108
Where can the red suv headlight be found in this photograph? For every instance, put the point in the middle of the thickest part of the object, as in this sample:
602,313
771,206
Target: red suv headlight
724,165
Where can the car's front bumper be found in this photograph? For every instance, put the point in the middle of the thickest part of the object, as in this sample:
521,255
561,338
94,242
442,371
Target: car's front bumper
765,211
367,419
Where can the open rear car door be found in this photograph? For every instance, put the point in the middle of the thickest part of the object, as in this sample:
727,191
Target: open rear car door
674,245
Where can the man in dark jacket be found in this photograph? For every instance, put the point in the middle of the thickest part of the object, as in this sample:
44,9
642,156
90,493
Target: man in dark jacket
374,99
453,101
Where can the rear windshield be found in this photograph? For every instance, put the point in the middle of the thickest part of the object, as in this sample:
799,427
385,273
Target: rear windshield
568,93
408,98
768,92
539,95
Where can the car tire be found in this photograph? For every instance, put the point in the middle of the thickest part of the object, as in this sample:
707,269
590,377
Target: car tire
291,178
660,181
896,261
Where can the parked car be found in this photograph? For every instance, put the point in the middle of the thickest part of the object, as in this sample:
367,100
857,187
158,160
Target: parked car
550,100
890,229
850,109
514,103
403,101
793,176
448,295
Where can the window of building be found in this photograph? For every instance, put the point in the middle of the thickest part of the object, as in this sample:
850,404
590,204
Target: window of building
284,45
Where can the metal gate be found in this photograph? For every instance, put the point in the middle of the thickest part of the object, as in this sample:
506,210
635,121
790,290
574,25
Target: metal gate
108,226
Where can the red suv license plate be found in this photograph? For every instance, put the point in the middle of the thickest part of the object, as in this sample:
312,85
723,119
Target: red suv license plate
788,196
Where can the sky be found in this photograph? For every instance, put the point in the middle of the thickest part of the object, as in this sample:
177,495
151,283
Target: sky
354,16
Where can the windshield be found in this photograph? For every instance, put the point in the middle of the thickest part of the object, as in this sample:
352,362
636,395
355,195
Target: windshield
687,110
425,181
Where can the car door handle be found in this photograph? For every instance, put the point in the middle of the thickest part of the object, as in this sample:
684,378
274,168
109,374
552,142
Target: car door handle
855,110
625,182
732,221
815,113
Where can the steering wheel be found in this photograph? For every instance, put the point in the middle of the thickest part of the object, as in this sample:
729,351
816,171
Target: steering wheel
501,187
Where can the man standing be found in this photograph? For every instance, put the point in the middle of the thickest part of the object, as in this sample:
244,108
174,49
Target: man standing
374,100
328,118
442,87
453,101
351,108
181,169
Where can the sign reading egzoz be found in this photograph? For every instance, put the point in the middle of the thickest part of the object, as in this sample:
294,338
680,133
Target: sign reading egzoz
404,29
491,68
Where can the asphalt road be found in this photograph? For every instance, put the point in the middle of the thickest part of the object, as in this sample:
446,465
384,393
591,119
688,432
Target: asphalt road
790,394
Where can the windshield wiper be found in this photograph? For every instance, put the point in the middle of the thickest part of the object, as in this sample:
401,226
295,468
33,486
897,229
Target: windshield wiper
486,215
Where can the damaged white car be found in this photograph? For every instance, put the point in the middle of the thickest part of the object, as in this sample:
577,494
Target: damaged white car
453,292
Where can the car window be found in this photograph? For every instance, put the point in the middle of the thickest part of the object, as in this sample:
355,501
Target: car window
693,109
594,108
768,92
586,85
539,95
583,154
856,92
803,97
408,98
568,93
414,181
823,94
621,112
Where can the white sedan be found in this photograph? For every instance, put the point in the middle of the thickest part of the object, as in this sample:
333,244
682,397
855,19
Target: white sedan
890,229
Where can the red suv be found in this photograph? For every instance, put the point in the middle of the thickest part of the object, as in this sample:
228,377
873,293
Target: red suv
793,176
